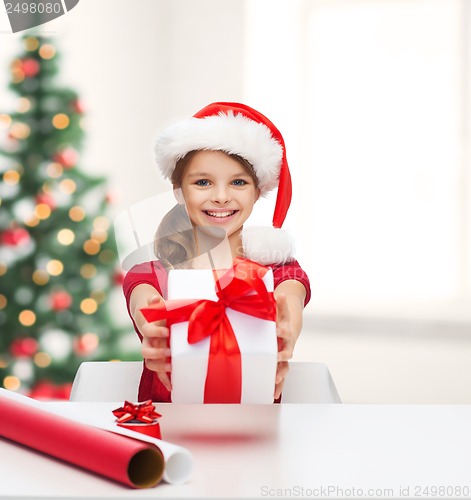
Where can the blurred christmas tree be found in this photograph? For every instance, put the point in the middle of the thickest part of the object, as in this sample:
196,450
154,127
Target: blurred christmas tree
58,261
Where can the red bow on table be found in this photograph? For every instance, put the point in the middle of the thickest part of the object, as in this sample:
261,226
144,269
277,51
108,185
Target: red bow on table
242,289
142,412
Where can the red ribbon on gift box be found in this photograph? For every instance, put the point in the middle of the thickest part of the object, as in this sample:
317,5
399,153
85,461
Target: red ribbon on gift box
141,412
241,288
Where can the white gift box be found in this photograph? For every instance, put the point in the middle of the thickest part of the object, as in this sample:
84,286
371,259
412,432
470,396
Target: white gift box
256,338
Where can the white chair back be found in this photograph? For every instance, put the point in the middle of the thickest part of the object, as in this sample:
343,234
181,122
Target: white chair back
119,380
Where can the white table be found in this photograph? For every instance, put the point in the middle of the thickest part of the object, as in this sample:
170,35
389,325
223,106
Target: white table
321,451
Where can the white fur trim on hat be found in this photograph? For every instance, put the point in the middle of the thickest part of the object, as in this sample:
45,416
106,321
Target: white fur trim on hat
267,245
229,132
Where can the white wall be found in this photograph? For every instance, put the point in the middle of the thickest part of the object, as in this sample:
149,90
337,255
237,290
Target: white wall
374,97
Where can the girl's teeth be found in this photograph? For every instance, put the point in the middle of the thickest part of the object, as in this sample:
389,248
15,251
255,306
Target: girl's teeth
221,214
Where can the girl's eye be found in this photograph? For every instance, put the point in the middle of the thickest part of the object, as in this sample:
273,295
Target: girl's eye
239,182
202,182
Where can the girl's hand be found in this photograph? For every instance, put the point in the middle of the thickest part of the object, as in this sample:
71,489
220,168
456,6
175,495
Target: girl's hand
286,341
155,346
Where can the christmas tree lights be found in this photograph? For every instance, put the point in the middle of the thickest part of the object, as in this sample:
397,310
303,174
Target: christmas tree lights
58,261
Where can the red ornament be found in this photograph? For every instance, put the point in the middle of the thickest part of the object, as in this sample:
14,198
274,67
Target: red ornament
77,106
118,277
12,138
85,344
46,199
63,390
80,347
46,390
24,348
15,237
30,67
60,300
68,157
112,197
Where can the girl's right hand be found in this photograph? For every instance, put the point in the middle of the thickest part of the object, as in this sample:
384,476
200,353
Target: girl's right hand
155,346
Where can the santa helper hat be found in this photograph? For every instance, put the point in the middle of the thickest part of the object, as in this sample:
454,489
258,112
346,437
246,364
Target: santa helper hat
238,129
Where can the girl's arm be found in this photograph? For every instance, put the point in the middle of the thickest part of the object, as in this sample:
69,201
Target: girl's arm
155,348
289,296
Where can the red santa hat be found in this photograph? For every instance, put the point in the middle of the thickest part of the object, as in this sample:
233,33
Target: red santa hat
238,129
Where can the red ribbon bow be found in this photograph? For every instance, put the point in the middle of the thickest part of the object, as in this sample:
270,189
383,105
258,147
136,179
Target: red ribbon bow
142,412
242,289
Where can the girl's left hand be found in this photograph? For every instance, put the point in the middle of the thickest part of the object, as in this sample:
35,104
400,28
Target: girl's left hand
286,341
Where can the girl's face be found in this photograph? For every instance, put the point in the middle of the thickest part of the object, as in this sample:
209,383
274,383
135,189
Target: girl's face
218,191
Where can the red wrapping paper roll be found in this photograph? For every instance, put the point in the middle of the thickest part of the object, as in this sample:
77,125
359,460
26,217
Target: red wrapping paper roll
132,462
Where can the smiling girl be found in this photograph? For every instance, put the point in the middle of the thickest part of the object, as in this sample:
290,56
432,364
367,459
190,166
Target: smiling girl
219,162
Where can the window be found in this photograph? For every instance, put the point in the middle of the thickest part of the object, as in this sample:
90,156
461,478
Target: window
375,97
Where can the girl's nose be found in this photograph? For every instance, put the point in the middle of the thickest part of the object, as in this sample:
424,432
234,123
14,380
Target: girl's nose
221,195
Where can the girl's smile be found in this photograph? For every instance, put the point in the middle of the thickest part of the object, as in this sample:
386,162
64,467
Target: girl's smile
220,216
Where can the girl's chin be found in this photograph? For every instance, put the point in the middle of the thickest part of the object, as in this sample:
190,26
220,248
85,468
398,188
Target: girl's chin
217,232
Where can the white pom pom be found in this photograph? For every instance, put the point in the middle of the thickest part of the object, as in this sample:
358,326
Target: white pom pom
267,245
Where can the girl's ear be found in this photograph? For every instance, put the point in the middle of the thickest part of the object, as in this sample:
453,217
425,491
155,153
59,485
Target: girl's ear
177,192
259,192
